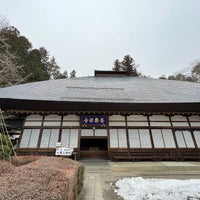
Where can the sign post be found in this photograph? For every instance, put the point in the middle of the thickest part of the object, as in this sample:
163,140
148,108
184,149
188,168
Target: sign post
64,151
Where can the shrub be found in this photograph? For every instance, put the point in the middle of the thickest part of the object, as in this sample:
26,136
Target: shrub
80,179
23,160
5,149
40,177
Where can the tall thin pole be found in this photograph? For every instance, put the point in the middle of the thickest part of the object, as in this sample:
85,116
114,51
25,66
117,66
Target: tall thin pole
5,132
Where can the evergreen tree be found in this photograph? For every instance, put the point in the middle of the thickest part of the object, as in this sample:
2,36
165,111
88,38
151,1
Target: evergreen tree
34,67
20,63
129,66
117,66
35,64
180,77
196,72
6,148
73,74
62,75
194,77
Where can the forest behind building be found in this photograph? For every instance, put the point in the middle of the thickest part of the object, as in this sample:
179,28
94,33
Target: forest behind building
21,63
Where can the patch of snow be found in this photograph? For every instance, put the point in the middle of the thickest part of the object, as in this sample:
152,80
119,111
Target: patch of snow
138,188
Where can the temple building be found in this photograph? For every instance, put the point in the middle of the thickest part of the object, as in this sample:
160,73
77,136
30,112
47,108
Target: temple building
110,116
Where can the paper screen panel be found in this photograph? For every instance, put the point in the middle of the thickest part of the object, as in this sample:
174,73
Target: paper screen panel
34,117
87,132
180,139
180,124
137,123
160,123
113,138
122,138
188,139
134,139
54,138
34,123
194,118
45,138
195,124
168,138
157,138
25,138
73,138
178,118
52,118
145,138
117,123
159,118
52,123
71,118
101,132
34,138
116,118
197,137
65,137
136,118
70,123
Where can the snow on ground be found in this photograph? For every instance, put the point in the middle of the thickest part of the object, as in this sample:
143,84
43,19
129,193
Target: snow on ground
138,188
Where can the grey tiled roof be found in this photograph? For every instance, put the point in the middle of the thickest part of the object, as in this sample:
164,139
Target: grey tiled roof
107,89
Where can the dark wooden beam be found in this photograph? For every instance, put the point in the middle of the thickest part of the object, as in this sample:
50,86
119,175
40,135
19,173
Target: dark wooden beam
92,107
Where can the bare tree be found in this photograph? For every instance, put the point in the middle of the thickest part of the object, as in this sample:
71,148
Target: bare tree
3,22
10,71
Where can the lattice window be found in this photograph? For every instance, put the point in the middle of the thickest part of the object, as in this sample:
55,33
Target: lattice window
168,138
52,120
29,138
134,138
159,120
117,120
118,138
139,138
71,120
197,137
163,138
145,138
184,139
194,120
100,132
179,120
137,120
33,120
49,138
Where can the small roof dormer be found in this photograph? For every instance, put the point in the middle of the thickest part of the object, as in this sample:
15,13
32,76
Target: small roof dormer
105,73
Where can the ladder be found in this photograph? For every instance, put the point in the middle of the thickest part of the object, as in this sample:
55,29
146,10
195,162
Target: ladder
4,134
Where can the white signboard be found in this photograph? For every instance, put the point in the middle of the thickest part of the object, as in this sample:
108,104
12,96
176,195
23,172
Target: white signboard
64,151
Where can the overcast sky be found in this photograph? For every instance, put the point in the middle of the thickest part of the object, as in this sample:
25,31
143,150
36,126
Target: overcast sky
163,36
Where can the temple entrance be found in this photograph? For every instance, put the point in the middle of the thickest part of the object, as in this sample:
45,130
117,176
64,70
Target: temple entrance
94,148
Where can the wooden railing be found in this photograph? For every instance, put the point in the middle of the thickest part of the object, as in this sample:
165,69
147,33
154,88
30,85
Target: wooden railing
155,154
